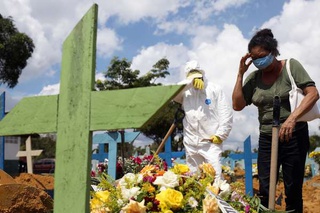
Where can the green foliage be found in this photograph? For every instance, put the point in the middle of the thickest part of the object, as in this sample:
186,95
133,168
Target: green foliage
314,142
15,49
120,76
45,142
157,129
226,153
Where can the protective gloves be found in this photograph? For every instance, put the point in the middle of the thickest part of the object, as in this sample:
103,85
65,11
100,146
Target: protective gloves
215,139
198,83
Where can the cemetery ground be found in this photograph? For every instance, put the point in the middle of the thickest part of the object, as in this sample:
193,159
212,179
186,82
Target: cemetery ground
311,192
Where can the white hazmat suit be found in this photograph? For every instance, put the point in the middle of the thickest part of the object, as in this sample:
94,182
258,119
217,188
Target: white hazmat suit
207,114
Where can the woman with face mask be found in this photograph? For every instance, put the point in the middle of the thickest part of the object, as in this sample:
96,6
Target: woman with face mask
260,88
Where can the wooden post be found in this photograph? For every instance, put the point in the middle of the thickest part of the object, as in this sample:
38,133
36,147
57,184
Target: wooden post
274,152
2,141
74,138
29,153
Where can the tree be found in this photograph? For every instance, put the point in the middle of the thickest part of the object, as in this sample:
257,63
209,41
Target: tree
15,49
120,76
314,142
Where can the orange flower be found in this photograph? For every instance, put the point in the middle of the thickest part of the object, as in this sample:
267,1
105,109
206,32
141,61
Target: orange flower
210,205
147,169
135,207
160,173
207,169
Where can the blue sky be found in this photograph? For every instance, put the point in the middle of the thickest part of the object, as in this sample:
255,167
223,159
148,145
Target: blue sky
214,32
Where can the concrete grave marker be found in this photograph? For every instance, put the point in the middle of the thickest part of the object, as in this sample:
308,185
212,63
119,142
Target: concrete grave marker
78,110
29,153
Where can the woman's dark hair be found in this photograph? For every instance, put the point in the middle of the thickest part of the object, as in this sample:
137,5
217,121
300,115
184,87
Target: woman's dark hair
264,38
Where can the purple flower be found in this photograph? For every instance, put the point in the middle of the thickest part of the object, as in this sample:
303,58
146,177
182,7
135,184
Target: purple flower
247,209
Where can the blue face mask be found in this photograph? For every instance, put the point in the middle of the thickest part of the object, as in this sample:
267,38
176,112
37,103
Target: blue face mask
262,63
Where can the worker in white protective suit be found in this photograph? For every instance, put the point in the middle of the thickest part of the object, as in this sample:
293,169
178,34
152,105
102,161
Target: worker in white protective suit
208,119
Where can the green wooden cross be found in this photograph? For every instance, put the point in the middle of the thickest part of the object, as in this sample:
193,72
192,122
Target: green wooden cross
78,110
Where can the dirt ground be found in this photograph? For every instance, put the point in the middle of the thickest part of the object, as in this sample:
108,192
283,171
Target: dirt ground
311,192
27,193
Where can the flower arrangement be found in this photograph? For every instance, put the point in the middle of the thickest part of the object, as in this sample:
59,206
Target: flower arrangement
155,189
135,164
316,156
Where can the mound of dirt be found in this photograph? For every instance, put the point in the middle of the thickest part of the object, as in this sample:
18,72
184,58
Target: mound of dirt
20,198
310,193
44,182
26,193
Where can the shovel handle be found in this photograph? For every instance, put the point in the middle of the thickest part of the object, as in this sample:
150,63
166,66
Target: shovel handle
274,152
178,117
173,126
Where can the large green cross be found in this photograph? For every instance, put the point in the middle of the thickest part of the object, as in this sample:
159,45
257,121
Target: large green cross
78,110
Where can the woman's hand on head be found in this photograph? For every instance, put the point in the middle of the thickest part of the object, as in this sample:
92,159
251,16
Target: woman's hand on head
244,63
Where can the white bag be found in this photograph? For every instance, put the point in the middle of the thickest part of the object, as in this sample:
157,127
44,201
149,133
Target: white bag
296,96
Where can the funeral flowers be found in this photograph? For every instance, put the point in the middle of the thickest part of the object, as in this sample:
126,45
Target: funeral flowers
174,190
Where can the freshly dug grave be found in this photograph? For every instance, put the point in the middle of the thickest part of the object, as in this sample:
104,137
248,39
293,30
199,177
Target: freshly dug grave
27,194
310,192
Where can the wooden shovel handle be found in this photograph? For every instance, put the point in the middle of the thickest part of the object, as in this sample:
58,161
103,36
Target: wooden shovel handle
173,126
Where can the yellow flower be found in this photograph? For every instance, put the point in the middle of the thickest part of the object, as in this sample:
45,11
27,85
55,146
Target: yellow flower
170,198
147,169
311,155
103,195
101,210
314,154
210,205
208,169
180,168
148,187
99,199
135,207
214,189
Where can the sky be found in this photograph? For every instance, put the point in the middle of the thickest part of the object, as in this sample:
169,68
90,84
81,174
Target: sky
214,32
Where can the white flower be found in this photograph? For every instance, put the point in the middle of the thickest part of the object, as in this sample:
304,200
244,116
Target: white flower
193,202
223,186
129,193
168,180
129,180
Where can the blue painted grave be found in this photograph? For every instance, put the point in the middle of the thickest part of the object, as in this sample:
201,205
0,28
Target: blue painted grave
112,139
248,156
167,155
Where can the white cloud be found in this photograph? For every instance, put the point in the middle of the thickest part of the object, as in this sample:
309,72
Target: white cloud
108,42
203,9
221,5
100,76
133,11
50,90
176,54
